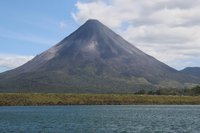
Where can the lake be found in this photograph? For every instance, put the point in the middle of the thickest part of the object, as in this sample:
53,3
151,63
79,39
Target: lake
100,119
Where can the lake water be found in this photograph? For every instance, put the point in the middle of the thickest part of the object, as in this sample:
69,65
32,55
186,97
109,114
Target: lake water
100,119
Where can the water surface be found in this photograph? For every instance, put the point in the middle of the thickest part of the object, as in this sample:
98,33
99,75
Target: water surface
100,119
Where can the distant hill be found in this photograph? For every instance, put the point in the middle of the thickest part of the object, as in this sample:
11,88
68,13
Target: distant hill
195,71
93,59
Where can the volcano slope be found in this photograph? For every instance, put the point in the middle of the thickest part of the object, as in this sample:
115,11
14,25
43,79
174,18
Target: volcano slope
93,59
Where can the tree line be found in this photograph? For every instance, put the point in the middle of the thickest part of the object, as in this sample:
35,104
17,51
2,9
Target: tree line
195,91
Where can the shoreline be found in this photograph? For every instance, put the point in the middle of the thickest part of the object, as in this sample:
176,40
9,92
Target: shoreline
40,99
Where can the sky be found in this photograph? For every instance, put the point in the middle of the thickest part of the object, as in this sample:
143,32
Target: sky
168,30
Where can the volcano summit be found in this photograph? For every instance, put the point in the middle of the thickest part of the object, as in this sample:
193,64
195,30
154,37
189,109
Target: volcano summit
93,59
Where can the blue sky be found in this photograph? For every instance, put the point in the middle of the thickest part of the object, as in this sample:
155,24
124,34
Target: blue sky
30,27
168,30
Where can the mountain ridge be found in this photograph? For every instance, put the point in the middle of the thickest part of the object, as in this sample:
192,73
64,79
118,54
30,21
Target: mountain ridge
195,71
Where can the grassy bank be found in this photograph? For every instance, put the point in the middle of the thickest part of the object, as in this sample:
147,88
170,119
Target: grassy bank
9,99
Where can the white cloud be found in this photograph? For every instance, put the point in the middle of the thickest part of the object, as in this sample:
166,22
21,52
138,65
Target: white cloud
10,61
102,11
166,29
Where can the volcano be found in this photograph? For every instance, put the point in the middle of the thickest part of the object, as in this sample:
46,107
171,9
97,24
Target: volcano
93,59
